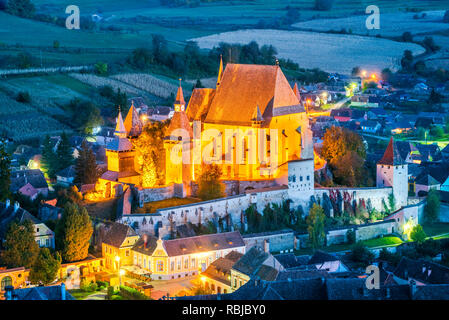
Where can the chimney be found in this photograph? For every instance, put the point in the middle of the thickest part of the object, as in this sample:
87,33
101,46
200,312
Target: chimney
145,240
412,289
266,246
16,206
8,292
7,203
63,292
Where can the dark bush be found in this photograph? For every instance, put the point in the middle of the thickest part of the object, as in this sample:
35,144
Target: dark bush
23,97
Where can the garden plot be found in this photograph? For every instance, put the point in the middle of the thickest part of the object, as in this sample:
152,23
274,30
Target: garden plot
329,52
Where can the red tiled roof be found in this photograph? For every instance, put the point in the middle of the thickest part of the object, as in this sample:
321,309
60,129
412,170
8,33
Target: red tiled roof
199,103
243,87
391,156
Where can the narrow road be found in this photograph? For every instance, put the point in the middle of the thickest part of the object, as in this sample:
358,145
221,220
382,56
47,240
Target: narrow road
100,295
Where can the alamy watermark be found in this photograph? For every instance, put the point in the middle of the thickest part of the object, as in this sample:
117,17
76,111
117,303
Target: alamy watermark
373,20
73,20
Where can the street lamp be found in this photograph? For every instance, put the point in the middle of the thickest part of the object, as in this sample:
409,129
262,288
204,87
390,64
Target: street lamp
121,273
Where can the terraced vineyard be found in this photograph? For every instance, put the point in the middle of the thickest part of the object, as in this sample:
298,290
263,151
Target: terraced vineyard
9,106
148,83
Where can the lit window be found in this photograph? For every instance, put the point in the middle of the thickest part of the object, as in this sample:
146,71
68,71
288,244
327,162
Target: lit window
160,266
193,262
179,264
186,263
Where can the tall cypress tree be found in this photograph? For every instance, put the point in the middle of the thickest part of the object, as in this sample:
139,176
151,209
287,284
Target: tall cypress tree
5,171
48,160
64,152
73,233
86,165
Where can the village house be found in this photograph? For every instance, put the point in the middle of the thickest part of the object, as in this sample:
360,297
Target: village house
16,277
161,113
117,245
256,263
34,177
9,213
421,272
66,176
177,258
370,126
217,277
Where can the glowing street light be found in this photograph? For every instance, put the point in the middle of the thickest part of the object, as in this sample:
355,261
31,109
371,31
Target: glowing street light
364,73
121,273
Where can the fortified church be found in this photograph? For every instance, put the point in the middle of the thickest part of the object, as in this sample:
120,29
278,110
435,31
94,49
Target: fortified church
253,125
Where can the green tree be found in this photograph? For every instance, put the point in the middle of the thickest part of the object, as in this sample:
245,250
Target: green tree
21,8
432,207
436,132
45,267
407,60
391,202
355,71
418,235
407,36
315,226
20,245
150,153
64,152
101,68
5,172
86,165
361,254
209,185
73,232
48,160
434,97
421,133
386,74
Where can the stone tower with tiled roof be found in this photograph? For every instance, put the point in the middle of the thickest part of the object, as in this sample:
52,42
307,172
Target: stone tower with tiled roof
120,153
177,144
392,171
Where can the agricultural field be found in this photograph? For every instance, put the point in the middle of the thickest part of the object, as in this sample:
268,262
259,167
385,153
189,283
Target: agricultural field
148,83
336,53
30,125
45,91
9,106
391,24
130,90
21,121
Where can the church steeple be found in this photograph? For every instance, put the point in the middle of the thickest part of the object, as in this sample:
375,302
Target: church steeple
296,91
120,130
132,123
180,103
220,71
257,118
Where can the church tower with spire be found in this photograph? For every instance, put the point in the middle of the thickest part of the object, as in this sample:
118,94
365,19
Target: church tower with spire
392,171
120,151
178,143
